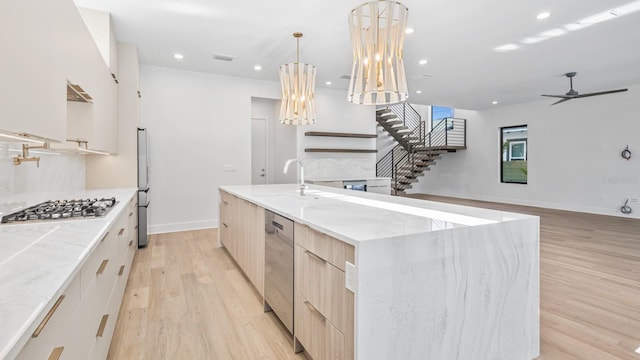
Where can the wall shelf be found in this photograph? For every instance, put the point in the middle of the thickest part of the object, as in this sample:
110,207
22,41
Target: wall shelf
340,150
339,134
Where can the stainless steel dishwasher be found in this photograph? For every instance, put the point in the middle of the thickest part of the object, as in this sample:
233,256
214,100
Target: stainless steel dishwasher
278,274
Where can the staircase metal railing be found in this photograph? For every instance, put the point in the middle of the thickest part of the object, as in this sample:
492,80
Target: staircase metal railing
412,120
448,133
389,164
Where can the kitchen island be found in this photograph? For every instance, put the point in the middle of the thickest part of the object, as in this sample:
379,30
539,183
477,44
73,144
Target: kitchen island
430,280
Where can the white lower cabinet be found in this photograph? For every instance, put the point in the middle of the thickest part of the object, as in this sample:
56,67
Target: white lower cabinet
80,324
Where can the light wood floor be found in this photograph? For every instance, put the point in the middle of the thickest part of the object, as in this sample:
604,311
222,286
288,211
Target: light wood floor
589,283
186,299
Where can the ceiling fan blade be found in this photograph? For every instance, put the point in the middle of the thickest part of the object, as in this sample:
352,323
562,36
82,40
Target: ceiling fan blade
558,96
562,100
601,93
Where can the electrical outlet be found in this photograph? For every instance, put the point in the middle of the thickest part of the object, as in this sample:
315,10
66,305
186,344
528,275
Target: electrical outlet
350,277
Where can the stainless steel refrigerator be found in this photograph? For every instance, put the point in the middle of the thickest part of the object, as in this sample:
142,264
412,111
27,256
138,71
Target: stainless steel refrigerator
143,187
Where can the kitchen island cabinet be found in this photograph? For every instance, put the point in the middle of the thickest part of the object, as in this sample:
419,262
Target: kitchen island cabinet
427,280
242,234
62,282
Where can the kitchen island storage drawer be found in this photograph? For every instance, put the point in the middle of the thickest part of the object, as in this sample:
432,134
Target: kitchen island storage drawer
322,284
50,332
321,340
326,247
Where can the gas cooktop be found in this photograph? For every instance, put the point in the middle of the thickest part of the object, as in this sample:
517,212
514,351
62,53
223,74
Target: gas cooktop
62,209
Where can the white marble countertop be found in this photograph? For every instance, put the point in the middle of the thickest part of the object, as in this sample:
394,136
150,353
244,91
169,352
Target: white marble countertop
39,259
349,179
355,216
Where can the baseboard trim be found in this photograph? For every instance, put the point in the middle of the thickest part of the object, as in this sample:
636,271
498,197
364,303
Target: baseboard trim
542,204
184,226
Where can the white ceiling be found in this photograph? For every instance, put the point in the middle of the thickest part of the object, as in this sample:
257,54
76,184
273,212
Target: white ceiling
458,37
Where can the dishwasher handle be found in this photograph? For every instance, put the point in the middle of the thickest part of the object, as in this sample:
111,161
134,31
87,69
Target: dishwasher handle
279,226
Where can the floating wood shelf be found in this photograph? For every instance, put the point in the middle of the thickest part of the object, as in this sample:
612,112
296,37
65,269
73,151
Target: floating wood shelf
340,150
339,134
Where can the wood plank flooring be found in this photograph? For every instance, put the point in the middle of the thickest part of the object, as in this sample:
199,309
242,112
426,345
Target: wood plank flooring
589,282
186,299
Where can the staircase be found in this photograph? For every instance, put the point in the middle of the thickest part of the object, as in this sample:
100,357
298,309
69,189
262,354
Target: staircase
415,151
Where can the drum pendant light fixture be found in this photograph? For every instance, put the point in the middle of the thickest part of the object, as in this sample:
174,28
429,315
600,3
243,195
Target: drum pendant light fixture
298,82
377,36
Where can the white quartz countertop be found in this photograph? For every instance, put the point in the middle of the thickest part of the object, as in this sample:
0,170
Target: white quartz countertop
39,259
355,216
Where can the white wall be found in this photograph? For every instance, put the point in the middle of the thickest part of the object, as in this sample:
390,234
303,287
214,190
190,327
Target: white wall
574,160
199,138
335,114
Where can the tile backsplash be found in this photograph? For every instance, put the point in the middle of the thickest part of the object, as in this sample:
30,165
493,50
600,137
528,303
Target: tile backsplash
56,172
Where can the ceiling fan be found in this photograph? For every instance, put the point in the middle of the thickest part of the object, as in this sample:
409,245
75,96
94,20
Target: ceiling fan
572,94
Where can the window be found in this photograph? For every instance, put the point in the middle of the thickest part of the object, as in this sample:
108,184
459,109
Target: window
513,154
438,113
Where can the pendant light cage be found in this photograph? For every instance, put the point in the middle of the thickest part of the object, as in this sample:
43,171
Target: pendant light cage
298,84
377,37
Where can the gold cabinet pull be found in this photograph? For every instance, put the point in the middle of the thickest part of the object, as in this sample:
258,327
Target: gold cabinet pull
225,225
314,310
121,231
121,270
136,227
104,237
56,352
131,213
103,324
130,242
315,256
225,202
103,265
47,317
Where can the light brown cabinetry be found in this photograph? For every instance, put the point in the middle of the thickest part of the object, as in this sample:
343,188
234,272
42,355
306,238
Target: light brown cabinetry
80,324
324,317
242,233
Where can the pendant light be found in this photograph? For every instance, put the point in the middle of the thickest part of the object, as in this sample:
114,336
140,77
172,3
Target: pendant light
298,82
377,36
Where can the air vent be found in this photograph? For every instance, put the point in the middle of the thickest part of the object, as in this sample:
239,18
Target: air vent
346,77
223,57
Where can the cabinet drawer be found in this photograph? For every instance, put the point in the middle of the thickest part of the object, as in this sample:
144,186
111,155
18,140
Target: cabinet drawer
322,284
49,333
330,249
94,265
321,340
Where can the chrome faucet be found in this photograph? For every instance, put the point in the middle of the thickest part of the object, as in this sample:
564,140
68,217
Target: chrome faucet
286,167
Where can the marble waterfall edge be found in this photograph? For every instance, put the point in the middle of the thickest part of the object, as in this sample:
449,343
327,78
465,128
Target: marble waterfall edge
466,293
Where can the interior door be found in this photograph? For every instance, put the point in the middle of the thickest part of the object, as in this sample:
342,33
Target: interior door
258,151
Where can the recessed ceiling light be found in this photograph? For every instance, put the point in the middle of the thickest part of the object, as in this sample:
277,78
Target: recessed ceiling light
543,15
507,47
409,31
423,61
257,68
328,83
178,56
418,91
494,102
553,32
